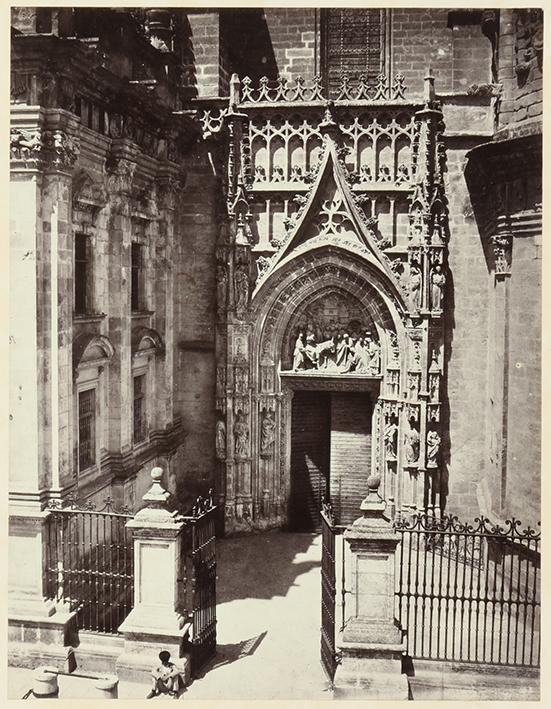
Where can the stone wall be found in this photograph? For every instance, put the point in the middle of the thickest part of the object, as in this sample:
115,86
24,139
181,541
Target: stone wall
466,343
522,494
195,307
459,56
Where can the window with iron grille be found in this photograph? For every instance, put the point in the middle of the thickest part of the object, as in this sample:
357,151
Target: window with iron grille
136,279
139,430
86,429
83,273
353,42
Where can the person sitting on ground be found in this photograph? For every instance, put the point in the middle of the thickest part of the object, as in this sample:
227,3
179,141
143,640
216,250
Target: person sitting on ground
165,677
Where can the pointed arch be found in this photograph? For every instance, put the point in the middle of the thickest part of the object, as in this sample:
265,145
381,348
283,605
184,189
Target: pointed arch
358,235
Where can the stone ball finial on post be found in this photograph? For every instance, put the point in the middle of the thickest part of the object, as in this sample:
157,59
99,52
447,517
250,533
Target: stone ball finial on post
156,500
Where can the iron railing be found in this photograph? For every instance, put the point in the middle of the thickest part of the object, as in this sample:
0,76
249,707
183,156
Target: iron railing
198,576
89,562
469,592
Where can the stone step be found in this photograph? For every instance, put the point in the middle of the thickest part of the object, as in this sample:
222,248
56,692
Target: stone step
98,652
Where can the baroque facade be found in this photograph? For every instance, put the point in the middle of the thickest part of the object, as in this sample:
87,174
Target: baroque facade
228,256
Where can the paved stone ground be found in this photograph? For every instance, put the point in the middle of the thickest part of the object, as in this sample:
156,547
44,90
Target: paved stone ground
268,626
268,620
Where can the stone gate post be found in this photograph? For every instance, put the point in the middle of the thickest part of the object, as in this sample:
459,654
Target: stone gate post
372,640
157,620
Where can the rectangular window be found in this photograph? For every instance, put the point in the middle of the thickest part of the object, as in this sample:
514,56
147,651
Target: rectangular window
139,408
136,279
86,429
83,273
353,41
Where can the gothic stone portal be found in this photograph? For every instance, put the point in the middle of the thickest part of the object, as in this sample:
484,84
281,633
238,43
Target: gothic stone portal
329,310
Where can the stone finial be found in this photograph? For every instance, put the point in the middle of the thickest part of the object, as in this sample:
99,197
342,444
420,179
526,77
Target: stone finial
156,496
428,92
373,505
235,90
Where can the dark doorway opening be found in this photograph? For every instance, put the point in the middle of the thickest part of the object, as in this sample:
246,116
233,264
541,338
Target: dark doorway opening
310,455
330,456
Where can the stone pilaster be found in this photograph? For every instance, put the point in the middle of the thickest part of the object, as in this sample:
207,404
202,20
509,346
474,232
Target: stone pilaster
44,148
120,168
372,640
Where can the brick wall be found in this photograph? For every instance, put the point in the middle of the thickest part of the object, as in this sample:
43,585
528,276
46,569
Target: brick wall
350,453
466,343
295,41
207,53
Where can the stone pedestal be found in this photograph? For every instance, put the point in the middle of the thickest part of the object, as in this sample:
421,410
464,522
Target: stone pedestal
156,622
372,640
38,629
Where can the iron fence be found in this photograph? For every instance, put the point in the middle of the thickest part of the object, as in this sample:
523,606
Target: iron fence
89,562
198,578
469,592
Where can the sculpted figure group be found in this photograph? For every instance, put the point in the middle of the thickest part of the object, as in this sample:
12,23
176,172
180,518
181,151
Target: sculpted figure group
342,353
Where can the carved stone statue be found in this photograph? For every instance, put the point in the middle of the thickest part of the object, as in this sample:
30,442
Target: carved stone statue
390,436
437,282
415,282
344,351
220,439
374,349
241,435
433,448
221,287
298,353
267,432
411,441
241,282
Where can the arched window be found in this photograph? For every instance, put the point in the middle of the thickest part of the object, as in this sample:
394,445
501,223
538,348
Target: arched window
91,353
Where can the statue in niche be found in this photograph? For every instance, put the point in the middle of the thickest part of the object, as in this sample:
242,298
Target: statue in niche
267,432
241,284
390,438
433,448
415,282
411,441
434,387
241,435
221,287
298,356
437,283
220,439
374,350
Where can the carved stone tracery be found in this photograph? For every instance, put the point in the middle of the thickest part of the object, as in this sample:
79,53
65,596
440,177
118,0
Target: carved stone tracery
305,279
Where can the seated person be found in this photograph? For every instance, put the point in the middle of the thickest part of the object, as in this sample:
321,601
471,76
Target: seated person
165,677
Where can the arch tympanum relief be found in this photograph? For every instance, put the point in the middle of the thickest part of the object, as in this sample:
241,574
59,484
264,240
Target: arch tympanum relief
337,303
